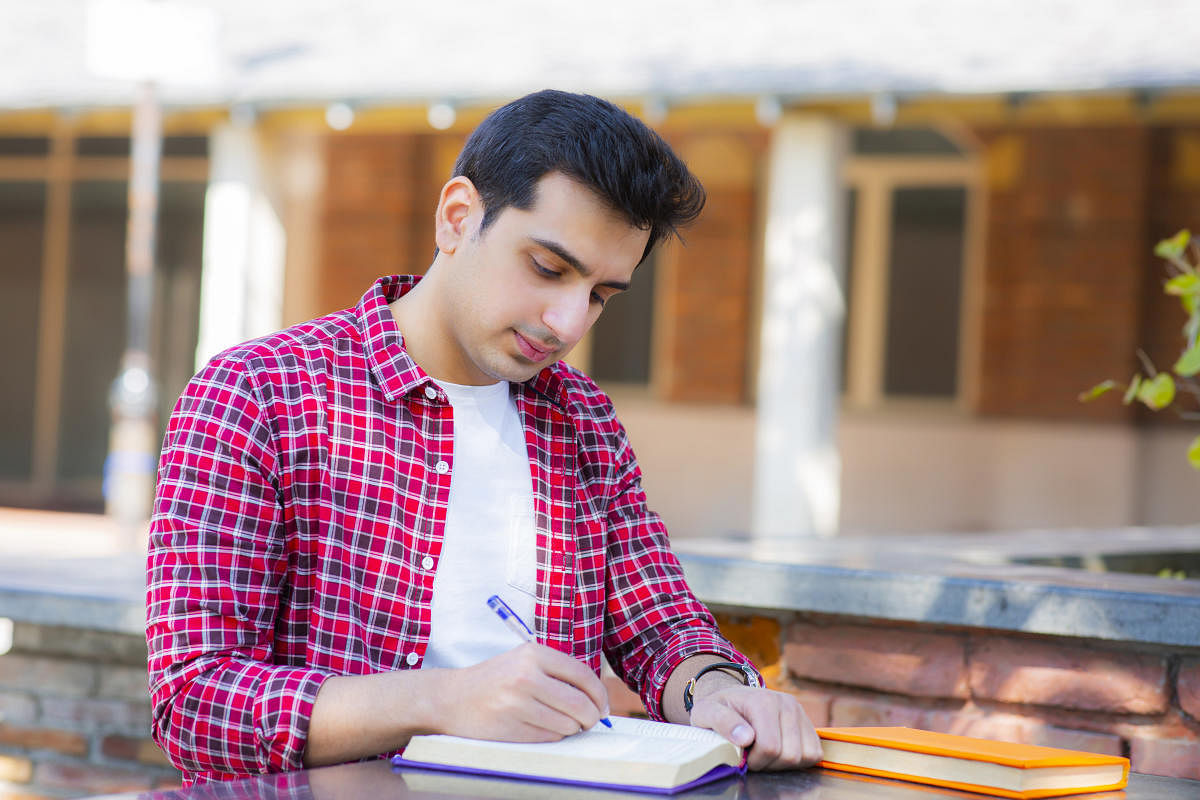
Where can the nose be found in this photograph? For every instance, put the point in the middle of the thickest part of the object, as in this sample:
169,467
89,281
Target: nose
567,316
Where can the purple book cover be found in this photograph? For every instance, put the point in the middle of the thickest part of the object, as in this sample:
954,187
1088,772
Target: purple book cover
714,774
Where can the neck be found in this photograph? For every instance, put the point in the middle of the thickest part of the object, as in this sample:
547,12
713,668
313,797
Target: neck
428,338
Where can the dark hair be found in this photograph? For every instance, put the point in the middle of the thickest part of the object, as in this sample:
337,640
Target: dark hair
587,139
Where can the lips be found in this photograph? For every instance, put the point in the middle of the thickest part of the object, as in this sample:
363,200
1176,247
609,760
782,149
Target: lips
529,349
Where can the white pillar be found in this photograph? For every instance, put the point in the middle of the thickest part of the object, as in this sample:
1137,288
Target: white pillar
797,469
241,292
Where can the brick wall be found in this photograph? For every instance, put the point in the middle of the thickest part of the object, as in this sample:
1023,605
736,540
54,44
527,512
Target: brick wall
377,218
703,314
75,716
1173,204
1141,701
1063,280
377,209
1071,289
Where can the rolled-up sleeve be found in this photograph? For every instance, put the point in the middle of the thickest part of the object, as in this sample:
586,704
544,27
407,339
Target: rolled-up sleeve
653,621
215,569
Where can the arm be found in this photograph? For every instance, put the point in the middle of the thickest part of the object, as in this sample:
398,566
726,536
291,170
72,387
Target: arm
652,620
216,562
680,637
531,693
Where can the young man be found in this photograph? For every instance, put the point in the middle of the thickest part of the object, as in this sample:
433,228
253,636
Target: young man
337,501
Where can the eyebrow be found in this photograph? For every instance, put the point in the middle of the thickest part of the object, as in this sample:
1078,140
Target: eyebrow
566,255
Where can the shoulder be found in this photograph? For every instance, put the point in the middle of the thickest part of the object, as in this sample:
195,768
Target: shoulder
301,350
585,403
601,441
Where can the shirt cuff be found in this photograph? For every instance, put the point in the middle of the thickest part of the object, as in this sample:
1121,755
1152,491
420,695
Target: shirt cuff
680,647
282,712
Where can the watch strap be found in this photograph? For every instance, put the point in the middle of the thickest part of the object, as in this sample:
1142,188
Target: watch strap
747,674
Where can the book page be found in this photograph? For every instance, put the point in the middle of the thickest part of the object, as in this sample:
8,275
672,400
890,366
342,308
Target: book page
636,753
629,740
650,728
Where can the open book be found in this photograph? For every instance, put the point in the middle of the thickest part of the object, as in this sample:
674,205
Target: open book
635,754
978,765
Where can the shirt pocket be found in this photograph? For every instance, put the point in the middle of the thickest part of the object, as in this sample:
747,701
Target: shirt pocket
521,571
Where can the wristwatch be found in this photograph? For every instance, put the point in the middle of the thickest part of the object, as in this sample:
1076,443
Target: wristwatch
748,676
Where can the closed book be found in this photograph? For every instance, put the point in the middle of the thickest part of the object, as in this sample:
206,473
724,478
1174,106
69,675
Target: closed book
1004,769
634,755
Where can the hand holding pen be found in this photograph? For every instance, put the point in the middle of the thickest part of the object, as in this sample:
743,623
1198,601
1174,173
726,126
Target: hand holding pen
517,625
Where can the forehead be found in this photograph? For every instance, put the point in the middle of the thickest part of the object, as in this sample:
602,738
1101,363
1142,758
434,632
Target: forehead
569,213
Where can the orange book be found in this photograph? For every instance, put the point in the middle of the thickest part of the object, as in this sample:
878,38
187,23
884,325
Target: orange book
1004,769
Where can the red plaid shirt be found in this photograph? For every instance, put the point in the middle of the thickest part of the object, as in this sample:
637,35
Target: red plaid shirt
299,518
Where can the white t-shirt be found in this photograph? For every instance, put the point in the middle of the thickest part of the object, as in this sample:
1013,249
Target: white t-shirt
490,542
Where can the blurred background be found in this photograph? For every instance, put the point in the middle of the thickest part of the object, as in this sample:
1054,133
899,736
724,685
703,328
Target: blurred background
930,226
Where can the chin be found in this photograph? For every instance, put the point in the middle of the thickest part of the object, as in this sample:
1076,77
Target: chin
513,370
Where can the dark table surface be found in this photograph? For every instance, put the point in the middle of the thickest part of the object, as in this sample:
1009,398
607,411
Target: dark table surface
376,780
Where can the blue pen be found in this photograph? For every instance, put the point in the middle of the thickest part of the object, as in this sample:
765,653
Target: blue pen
518,626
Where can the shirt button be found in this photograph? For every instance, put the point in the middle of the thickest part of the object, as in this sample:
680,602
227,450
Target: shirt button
442,468
427,562
412,659
431,392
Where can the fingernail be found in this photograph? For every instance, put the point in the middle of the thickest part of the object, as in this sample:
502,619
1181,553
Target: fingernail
743,735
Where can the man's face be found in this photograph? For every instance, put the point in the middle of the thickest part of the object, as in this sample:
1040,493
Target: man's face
525,291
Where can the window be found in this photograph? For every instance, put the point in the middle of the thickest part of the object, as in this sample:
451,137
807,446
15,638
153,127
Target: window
620,339
908,201
62,296
22,222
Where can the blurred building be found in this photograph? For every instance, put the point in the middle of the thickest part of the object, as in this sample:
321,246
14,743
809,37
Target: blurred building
958,203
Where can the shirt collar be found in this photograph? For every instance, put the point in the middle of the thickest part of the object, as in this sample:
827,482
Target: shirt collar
549,384
390,363
392,366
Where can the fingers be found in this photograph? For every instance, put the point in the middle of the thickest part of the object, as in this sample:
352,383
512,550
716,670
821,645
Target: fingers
576,708
579,677
538,722
782,736
809,739
799,745
725,720
531,693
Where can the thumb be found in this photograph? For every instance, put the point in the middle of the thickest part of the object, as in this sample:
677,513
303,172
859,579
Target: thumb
725,720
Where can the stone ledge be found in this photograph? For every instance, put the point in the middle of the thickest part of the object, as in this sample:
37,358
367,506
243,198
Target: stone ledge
905,581
96,593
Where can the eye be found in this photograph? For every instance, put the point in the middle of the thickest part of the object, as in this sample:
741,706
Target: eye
598,299
542,270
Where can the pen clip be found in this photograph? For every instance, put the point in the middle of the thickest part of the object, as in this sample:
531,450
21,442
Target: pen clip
497,604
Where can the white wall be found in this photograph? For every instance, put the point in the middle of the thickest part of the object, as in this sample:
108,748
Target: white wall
1172,488
697,462
921,470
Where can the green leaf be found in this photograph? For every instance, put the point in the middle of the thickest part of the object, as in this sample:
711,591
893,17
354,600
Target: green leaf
1158,392
1188,363
1194,453
1097,390
1180,285
1134,383
1190,303
1173,247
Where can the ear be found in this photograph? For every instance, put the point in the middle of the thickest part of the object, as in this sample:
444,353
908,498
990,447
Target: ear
458,212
